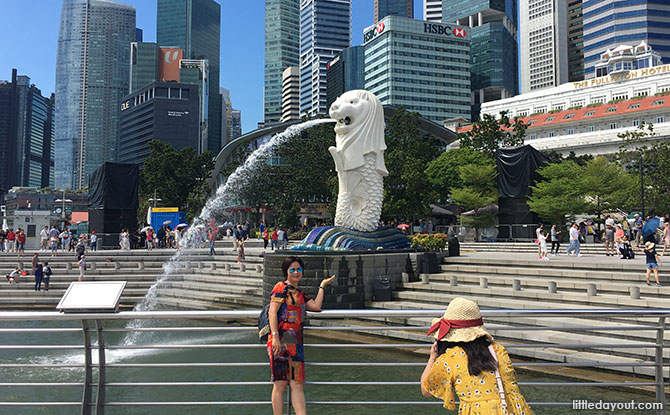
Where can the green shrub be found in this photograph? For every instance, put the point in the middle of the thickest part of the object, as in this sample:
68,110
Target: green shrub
435,242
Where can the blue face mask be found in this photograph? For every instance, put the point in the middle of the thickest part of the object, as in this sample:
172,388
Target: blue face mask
294,270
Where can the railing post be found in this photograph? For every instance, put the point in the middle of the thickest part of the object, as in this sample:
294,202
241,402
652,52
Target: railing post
288,399
102,371
86,395
660,380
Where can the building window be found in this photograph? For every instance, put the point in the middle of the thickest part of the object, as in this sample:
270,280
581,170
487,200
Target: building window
660,119
591,128
658,102
532,137
612,125
611,109
633,106
589,113
550,119
636,123
531,122
570,131
567,117
598,100
619,96
551,133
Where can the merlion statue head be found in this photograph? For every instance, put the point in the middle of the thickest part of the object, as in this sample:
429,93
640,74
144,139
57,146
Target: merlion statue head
360,127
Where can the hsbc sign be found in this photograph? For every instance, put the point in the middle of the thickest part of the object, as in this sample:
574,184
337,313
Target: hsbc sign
372,33
438,29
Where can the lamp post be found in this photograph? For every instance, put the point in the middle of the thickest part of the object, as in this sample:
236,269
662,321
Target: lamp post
155,199
63,201
642,185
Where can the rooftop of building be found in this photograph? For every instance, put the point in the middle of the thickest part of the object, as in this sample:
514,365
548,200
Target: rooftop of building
634,105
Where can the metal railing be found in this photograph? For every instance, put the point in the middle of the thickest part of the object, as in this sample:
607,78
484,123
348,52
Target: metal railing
101,338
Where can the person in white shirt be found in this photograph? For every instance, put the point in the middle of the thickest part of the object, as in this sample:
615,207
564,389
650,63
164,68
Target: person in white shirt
538,232
574,240
44,239
543,246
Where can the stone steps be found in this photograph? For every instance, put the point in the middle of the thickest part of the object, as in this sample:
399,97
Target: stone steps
212,299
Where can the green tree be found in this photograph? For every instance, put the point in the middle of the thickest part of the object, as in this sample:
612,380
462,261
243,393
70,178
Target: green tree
554,156
407,191
607,186
490,133
636,153
444,174
177,176
479,191
559,196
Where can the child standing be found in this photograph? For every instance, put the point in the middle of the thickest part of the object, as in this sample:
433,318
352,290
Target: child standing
240,251
82,267
542,237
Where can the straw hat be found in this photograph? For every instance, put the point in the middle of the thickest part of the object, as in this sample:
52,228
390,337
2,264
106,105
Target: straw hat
649,246
460,312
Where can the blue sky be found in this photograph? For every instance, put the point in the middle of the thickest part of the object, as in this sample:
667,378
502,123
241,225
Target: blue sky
30,35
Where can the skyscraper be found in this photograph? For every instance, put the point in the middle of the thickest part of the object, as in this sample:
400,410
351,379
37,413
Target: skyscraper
493,46
236,117
195,27
432,10
290,105
543,36
282,49
325,29
575,41
429,75
91,78
26,135
346,72
609,24
226,116
385,8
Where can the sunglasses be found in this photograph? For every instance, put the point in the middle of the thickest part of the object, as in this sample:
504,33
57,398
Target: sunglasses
294,270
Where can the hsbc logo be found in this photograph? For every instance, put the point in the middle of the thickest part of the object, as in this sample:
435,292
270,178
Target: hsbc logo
372,33
443,30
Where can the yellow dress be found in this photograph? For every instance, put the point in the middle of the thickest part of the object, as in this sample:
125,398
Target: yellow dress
478,395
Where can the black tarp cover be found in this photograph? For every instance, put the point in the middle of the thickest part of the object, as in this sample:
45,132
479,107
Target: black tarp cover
517,170
114,186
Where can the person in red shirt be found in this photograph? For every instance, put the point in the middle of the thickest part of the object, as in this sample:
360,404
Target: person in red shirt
273,240
11,237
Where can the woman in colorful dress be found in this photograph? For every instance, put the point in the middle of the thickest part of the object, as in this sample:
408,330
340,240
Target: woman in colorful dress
285,345
465,358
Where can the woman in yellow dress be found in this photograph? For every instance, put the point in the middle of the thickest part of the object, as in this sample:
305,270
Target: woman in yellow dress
464,358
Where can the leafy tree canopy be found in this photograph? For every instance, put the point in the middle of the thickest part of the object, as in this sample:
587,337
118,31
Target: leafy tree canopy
559,196
490,133
444,172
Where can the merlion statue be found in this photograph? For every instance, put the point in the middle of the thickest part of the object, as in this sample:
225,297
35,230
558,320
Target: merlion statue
359,159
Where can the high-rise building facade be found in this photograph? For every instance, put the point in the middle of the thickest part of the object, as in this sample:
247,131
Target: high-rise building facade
226,116
26,135
236,116
383,8
421,66
290,106
92,75
543,38
282,50
610,23
325,29
346,72
432,10
494,53
163,111
195,27
575,41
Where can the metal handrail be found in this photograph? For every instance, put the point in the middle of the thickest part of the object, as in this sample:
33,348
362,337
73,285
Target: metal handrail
94,385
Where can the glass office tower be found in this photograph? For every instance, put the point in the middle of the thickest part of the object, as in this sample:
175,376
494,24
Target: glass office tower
608,24
494,46
92,74
325,29
346,72
385,8
421,66
195,27
282,44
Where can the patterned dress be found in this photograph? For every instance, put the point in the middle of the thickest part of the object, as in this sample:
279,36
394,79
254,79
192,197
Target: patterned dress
478,395
290,363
